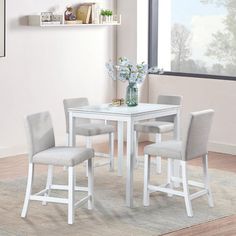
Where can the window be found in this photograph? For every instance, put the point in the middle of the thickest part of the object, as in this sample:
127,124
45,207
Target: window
193,37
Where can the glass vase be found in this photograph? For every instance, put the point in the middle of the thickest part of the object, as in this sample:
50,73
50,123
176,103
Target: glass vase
132,95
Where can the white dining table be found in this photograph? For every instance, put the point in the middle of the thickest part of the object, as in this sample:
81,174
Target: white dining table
128,115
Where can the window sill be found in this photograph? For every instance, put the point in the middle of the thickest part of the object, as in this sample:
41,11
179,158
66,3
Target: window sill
200,76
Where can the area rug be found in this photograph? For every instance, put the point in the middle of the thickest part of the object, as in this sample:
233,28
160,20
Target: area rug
110,215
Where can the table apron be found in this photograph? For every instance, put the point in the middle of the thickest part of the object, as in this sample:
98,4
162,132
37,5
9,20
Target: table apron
120,117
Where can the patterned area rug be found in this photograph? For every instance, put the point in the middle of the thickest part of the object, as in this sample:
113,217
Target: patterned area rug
111,216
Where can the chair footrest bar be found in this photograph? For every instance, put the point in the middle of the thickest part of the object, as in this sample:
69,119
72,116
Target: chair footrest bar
99,154
160,188
65,188
198,194
190,182
196,184
41,192
141,161
82,201
102,164
49,199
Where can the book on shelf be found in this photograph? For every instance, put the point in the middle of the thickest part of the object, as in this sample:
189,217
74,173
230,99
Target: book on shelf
73,22
84,13
51,22
95,12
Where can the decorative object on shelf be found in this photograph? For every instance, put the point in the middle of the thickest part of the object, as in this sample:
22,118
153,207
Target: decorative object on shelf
46,16
84,13
118,102
134,74
69,15
106,16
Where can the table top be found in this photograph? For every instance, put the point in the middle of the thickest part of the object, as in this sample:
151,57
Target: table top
124,109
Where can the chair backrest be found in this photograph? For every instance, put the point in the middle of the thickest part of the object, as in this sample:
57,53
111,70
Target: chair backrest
71,103
40,134
195,143
169,100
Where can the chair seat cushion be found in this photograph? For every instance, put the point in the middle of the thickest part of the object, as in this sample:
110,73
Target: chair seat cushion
63,156
154,127
168,149
91,129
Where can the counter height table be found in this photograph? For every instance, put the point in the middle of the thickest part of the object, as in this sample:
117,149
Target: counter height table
130,115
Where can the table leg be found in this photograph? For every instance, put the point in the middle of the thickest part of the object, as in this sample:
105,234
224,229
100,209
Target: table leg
71,140
177,126
177,137
130,163
120,147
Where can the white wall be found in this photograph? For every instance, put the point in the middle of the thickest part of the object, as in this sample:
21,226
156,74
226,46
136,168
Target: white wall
164,35
132,37
44,66
201,94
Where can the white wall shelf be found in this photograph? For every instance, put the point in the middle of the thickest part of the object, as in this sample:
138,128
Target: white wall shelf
35,20
78,25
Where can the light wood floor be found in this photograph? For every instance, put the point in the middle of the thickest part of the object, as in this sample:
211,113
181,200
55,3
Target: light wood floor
16,167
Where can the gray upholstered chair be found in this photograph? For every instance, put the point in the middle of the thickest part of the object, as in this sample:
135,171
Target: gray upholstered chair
42,150
84,127
194,145
159,126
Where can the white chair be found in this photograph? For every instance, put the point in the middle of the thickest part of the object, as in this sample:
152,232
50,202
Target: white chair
193,146
159,126
42,150
84,127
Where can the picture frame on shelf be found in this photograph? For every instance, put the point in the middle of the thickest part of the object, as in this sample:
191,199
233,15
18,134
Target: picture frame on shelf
49,18
46,16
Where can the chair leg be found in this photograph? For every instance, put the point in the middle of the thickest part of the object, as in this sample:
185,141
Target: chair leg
158,159
90,184
88,145
176,171
146,193
170,174
206,180
28,190
49,183
135,149
65,168
71,188
120,150
111,151
186,189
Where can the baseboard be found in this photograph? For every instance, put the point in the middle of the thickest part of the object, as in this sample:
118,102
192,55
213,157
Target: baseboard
60,141
212,146
222,148
12,151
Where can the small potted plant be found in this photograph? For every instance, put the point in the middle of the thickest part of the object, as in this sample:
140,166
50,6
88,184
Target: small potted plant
106,16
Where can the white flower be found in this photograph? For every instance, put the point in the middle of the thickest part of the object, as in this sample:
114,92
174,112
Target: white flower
127,71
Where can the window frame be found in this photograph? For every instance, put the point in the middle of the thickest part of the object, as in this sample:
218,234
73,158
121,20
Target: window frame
4,18
153,48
